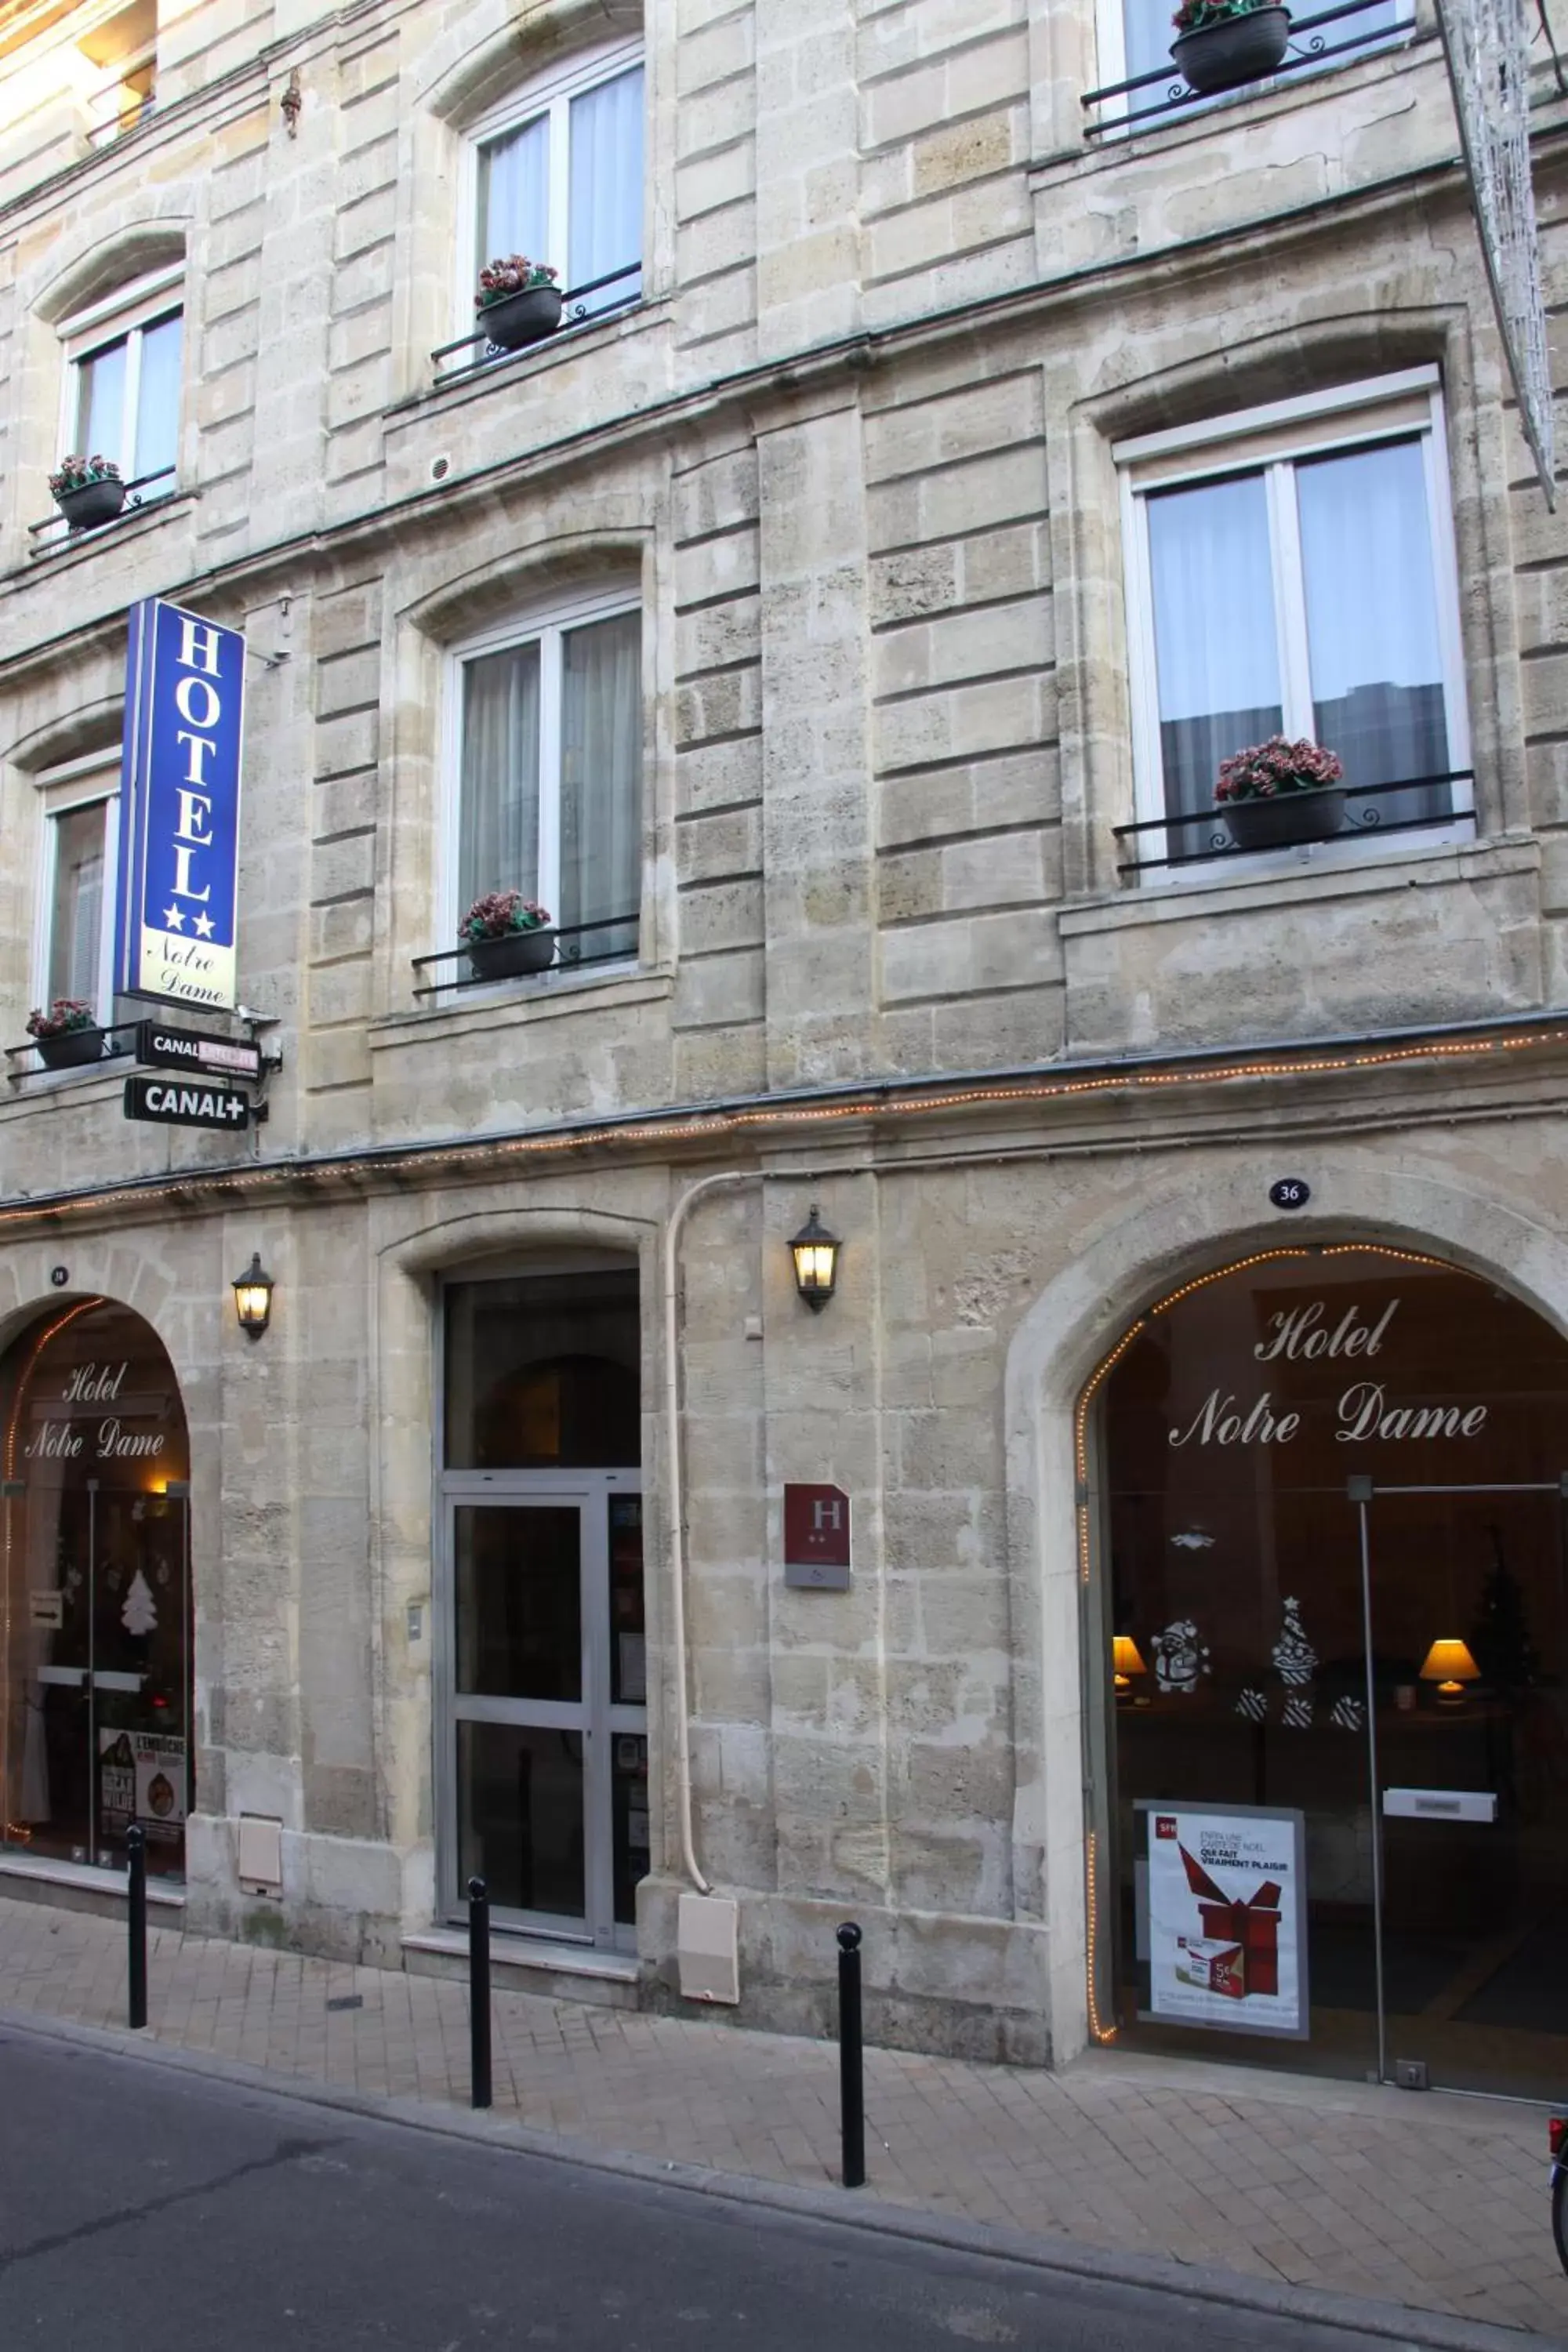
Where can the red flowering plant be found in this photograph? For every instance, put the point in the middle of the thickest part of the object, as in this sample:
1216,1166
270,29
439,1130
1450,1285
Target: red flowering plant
501,913
77,473
1266,772
1197,16
65,1014
513,274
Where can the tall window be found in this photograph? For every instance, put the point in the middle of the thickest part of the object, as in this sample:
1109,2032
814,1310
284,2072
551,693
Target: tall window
558,175
122,393
74,950
549,773
1291,572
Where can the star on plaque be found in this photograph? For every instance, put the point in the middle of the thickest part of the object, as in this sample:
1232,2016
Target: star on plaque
174,919
204,928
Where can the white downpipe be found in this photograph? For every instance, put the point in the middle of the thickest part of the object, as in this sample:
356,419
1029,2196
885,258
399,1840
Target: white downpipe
693,1194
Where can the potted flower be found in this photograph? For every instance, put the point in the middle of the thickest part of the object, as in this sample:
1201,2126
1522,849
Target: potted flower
1277,793
517,302
506,934
87,490
68,1034
1220,44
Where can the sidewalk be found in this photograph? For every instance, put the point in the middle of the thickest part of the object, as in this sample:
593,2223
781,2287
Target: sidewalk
1433,2201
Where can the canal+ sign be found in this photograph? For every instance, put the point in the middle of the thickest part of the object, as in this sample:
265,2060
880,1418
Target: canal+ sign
179,809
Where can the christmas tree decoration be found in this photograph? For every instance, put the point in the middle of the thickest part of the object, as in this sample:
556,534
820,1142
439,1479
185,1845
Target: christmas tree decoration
1295,1660
140,1614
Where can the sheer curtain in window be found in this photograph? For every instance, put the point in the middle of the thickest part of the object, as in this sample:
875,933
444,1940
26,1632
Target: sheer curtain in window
76,917
1216,650
101,404
513,208
601,782
498,848
1372,623
606,186
158,398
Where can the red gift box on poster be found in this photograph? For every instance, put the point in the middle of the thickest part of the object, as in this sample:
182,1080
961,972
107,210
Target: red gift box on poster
1254,1924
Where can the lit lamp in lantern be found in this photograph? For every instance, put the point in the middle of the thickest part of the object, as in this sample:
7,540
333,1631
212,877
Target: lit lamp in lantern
1450,1665
815,1253
253,1298
1125,1662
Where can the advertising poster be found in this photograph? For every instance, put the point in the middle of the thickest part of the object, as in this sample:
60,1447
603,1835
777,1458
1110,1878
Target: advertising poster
1222,1906
142,1778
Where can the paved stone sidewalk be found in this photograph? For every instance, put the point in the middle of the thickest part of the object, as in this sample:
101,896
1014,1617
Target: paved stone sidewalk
1431,2202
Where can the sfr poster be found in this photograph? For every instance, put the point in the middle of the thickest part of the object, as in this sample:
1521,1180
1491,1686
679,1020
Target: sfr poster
1222,1900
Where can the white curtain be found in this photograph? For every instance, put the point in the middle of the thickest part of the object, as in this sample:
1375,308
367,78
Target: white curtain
101,404
76,928
499,818
513,208
601,782
606,188
1215,645
1372,621
158,400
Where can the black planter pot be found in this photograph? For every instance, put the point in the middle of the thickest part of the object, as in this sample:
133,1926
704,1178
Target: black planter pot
71,1049
1293,817
1237,49
518,320
93,502
518,952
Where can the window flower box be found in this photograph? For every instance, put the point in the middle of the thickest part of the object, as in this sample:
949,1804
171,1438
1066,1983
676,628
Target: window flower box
1220,45
517,302
87,490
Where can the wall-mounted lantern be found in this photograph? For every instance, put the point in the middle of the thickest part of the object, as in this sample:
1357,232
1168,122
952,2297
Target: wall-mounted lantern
815,1253
253,1298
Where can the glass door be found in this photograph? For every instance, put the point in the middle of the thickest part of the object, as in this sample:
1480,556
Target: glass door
548,1751
1470,1725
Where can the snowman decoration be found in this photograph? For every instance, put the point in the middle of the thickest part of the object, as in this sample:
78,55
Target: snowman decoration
1180,1659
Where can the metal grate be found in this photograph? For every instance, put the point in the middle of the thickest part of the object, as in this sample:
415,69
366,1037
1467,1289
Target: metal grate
1311,45
1358,820
135,503
574,313
572,956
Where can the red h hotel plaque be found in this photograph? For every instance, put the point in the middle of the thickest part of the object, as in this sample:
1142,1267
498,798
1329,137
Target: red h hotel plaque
817,1537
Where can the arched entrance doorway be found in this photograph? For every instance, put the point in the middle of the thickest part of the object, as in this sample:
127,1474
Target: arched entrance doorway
1328,1499
95,1591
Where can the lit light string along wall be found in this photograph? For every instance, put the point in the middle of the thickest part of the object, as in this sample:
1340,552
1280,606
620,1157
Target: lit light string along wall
714,1125
1100,2032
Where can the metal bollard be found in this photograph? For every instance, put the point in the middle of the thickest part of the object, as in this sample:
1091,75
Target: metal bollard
479,1994
136,1923
851,2071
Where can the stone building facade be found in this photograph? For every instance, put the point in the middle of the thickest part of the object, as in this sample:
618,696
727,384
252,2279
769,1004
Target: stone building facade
870,460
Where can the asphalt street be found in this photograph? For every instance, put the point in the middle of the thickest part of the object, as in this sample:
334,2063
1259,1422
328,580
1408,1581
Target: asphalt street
141,2205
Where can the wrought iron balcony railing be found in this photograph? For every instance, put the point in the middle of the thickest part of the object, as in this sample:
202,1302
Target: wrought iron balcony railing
64,530
573,953
1314,41
575,312
1206,839
109,1048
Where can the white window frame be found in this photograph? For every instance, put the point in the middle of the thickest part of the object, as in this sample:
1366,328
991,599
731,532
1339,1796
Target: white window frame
91,781
125,314
1111,63
544,626
1274,437
551,95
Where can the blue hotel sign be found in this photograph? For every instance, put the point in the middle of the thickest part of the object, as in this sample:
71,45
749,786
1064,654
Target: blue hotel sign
179,809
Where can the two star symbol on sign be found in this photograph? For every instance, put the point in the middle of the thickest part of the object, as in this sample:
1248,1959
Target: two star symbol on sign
175,919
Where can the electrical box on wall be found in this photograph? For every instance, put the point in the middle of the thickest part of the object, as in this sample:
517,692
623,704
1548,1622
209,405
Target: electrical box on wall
261,1854
707,1937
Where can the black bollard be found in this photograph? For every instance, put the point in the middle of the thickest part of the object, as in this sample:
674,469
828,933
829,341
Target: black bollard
852,2074
479,1994
136,1923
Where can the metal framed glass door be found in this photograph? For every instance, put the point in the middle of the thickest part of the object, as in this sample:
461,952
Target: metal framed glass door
1465,1596
545,1752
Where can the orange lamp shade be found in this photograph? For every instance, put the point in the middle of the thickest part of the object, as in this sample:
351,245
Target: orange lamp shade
1125,1661
1449,1662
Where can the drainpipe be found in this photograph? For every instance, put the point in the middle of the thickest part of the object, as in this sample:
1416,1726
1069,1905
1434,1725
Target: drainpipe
678,1509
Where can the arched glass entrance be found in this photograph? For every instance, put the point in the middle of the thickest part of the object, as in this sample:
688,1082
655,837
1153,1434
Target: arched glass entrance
1329,1499
95,1591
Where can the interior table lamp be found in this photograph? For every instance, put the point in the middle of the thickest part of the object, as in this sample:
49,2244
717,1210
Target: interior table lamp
1125,1662
1450,1665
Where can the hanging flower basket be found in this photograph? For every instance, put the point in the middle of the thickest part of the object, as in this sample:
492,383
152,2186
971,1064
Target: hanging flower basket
1278,793
507,935
87,490
517,302
1220,46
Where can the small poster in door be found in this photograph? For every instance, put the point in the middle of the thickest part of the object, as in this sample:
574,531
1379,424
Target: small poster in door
1222,1917
160,1785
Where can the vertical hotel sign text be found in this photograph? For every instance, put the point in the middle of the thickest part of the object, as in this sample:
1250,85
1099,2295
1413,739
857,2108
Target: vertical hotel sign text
179,809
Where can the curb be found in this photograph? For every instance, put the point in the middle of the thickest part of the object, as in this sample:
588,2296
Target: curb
1404,2324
